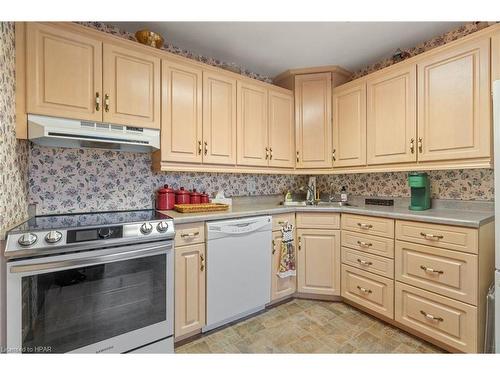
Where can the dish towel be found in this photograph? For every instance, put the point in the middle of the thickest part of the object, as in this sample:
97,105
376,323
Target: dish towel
287,254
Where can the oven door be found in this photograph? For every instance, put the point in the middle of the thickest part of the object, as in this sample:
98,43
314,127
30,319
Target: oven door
110,300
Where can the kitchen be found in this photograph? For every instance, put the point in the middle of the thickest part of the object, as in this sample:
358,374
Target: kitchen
349,210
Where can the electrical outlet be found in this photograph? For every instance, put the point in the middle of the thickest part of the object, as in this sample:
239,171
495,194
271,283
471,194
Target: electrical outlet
251,187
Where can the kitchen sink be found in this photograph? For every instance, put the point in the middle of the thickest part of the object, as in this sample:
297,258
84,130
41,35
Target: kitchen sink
335,204
294,203
321,203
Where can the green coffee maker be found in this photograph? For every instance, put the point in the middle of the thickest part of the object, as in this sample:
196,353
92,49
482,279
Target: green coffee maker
420,191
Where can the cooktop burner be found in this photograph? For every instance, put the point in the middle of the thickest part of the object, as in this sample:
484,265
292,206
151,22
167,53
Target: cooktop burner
86,219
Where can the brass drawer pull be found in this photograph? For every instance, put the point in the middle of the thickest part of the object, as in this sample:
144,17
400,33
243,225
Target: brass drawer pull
364,290
274,247
199,148
206,148
420,145
431,317
297,156
106,103
300,243
333,155
192,234
365,226
412,145
270,153
431,270
364,244
429,236
202,262
267,153
364,262
97,102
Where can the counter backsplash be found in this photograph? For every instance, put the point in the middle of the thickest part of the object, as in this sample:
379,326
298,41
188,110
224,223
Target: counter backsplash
75,180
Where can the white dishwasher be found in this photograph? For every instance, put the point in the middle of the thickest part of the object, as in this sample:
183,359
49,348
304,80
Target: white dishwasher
238,268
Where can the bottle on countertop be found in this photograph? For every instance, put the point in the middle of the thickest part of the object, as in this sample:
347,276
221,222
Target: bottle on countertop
343,194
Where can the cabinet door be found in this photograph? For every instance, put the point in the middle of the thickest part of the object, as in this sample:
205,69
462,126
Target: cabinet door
349,125
189,289
219,119
313,102
64,73
131,87
181,126
318,261
280,287
454,115
281,130
252,135
391,116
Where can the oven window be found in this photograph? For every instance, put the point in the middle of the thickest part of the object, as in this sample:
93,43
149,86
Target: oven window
66,310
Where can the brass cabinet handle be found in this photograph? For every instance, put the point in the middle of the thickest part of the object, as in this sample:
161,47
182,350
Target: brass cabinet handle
202,262
274,247
420,144
300,243
199,148
412,145
364,290
206,148
429,236
297,156
364,262
364,244
333,155
192,234
431,317
270,153
106,103
97,102
431,270
267,153
365,226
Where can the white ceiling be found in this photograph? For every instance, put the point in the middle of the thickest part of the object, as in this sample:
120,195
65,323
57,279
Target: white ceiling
270,48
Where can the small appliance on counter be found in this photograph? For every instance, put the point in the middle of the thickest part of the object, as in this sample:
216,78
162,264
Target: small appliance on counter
165,198
420,191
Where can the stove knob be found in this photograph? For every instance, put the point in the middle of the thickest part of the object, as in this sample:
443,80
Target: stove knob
146,228
162,227
53,236
104,232
27,239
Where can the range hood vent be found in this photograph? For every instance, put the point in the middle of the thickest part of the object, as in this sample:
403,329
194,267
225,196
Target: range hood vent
61,132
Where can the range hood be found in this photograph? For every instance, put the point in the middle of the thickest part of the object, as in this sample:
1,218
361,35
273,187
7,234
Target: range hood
61,132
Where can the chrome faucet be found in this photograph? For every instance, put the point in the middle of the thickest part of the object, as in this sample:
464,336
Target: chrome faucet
309,189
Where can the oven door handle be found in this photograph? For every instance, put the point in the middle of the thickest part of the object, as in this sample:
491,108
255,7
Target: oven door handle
83,262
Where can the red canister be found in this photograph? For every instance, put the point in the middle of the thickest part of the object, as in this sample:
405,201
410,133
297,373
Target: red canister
182,196
165,198
204,198
195,197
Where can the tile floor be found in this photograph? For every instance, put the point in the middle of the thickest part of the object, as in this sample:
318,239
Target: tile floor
305,326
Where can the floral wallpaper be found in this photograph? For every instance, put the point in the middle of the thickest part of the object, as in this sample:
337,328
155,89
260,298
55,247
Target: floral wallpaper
13,153
437,41
466,184
76,180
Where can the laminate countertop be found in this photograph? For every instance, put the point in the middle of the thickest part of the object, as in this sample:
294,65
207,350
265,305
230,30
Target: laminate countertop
461,213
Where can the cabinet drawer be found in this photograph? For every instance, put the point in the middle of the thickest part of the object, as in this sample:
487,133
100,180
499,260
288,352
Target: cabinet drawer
450,273
368,224
187,234
368,262
446,236
444,319
318,220
370,244
371,291
280,219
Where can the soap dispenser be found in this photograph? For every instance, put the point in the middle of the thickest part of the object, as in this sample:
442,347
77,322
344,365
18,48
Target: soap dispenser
343,194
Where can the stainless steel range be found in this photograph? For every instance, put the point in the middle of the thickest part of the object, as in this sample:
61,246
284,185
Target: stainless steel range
92,283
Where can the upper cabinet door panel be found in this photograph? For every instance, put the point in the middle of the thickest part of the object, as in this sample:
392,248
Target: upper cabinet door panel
281,130
391,116
219,118
181,131
252,144
313,102
132,82
349,125
64,73
454,116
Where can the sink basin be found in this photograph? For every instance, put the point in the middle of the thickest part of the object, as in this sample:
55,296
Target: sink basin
294,203
334,204
321,203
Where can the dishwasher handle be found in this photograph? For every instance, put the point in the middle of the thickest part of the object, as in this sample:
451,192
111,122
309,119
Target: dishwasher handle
236,227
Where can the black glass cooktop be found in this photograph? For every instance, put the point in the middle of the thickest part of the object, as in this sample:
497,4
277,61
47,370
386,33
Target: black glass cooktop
88,219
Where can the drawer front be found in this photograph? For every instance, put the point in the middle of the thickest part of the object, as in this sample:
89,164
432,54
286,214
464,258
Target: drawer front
368,225
187,234
371,291
449,321
446,236
280,219
450,273
318,220
368,262
370,244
